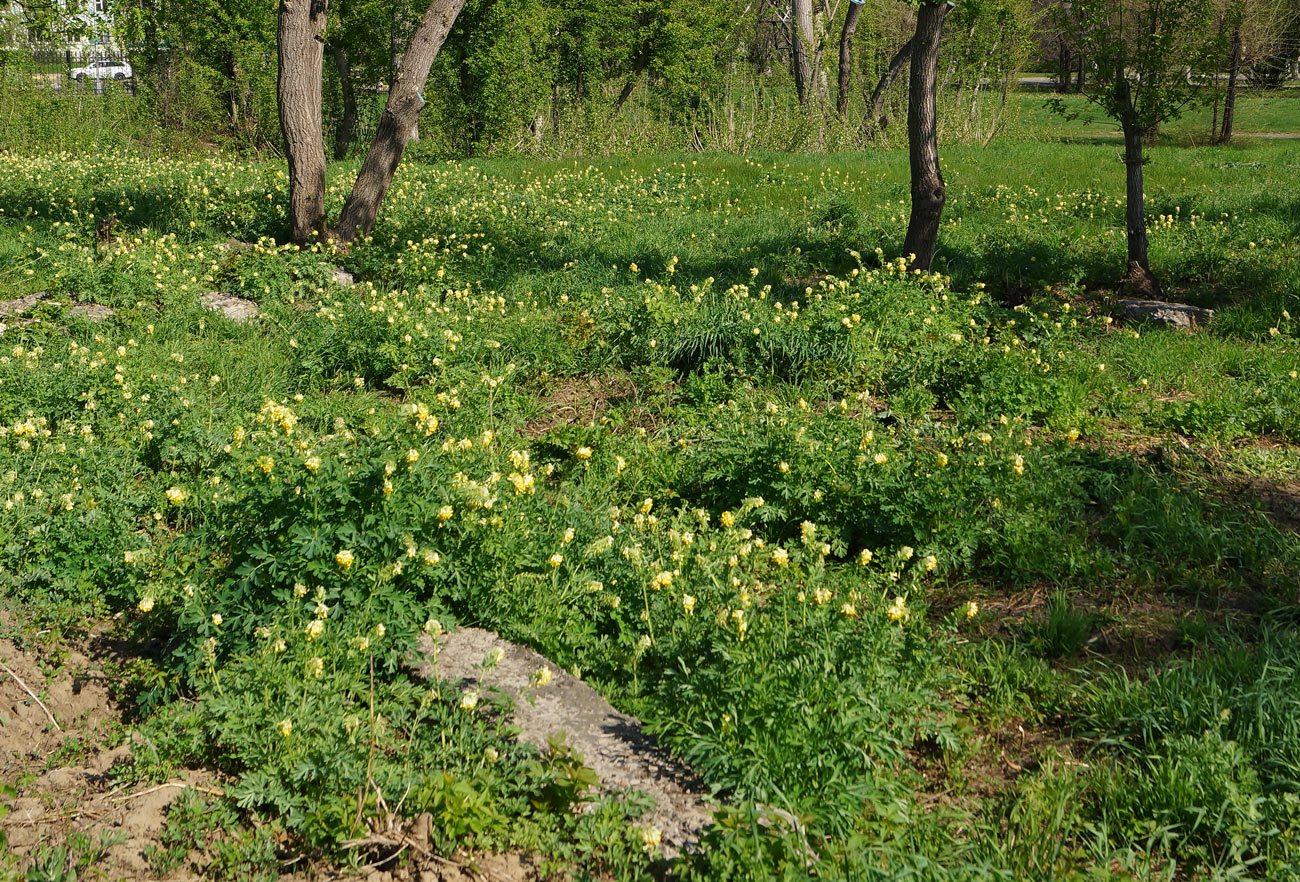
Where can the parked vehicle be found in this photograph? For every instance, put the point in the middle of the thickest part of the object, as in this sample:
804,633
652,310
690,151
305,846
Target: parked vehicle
103,70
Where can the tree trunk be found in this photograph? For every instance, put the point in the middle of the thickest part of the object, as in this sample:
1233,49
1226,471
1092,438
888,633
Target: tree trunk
348,124
887,80
1139,280
846,56
1230,97
1066,66
398,121
802,37
299,38
639,64
397,39
928,189
1079,82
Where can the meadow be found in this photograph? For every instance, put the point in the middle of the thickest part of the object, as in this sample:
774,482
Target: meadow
963,572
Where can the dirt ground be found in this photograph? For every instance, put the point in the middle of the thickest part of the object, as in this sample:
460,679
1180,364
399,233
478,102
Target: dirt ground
60,736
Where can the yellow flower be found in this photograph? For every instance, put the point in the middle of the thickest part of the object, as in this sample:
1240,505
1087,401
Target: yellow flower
469,699
217,619
284,727
583,453
146,603
728,519
651,836
265,464
898,612
930,562
972,609
314,629
688,604
345,559
312,463
822,596
176,495
1072,435
542,677
316,666
984,438
881,458
412,455
568,536
431,558
490,754
781,556
555,559
433,627
807,530
445,513
1019,464
864,556
849,610
661,580
941,459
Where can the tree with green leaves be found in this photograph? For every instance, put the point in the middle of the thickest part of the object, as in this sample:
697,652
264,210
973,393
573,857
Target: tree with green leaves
1150,59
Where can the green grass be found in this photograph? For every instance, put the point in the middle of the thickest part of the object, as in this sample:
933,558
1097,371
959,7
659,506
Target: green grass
851,540
1270,111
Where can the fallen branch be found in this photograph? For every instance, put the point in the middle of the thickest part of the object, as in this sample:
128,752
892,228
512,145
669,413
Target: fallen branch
27,689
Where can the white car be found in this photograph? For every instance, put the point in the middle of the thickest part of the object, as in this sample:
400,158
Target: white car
103,70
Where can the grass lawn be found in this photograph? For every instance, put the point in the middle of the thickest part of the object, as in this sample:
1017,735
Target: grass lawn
1267,111
950,576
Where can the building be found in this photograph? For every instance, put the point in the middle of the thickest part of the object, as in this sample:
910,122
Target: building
76,30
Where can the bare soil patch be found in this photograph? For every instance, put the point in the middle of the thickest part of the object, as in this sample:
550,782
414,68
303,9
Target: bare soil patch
60,768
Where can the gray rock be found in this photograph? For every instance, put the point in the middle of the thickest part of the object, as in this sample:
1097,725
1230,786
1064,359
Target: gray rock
22,304
239,310
93,312
341,276
1171,315
611,743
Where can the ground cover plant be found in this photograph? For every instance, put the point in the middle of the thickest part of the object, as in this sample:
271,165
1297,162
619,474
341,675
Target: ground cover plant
949,575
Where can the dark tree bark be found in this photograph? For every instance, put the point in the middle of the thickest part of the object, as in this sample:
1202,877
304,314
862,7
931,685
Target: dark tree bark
639,64
300,44
1079,82
1230,96
846,56
398,121
928,189
1065,63
1139,280
802,39
887,79
348,124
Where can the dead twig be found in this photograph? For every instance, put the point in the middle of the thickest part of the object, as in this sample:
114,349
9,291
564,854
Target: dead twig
206,790
19,680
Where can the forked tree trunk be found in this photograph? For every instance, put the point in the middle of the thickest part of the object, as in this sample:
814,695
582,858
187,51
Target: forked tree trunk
1230,96
300,44
397,123
846,56
897,64
928,189
348,124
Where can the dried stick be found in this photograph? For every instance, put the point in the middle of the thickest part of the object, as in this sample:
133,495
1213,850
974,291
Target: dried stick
25,688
